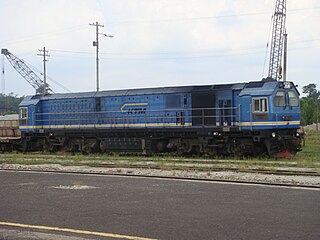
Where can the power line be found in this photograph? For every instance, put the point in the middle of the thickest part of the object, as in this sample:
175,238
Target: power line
51,79
204,53
82,26
178,57
205,17
44,34
149,57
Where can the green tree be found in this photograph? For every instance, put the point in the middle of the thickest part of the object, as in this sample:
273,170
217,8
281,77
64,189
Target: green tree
310,105
9,104
311,90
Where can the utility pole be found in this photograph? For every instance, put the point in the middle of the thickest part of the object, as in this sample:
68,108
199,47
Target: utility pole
44,54
3,77
317,126
285,35
3,82
96,44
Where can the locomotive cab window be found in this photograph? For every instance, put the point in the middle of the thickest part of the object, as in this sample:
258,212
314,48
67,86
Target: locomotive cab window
280,99
293,99
260,105
23,113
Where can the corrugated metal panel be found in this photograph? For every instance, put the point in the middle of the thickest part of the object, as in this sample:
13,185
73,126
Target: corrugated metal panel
9,127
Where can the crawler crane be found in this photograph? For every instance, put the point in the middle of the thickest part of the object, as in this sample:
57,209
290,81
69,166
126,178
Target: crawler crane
26,72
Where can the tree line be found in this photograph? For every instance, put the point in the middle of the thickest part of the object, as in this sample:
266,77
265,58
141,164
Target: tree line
9,104
310,104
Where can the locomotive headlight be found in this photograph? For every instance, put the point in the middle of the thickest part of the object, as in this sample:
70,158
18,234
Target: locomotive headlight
216,134
273,134
297,134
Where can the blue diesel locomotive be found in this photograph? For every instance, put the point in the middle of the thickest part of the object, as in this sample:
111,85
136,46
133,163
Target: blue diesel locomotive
255,118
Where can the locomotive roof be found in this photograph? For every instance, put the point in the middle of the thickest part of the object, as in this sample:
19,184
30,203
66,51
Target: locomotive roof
264,88
141,91
29,100
254,88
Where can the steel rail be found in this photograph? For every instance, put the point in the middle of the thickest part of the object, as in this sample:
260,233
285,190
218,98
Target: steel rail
216,169
316,187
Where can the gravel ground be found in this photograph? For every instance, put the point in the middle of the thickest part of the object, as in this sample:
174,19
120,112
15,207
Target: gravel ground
214,175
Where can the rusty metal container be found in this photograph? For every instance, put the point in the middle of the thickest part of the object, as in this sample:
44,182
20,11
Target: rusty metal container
9,127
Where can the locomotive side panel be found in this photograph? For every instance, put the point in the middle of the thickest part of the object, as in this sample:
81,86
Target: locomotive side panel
204,109
224,106
153,110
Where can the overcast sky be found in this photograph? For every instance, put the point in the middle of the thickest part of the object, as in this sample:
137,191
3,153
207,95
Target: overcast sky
156,42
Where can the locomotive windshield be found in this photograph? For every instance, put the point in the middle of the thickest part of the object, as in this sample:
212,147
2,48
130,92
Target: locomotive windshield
280,99
293,99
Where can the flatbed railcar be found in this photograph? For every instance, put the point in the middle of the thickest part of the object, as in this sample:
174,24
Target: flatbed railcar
251,118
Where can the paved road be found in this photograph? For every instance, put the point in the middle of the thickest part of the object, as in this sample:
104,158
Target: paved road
153,208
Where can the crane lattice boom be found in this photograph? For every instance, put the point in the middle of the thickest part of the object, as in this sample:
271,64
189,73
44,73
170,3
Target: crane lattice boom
279,20
26,73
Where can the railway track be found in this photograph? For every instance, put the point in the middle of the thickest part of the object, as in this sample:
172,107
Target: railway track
129,174
289,171
202,168
186,169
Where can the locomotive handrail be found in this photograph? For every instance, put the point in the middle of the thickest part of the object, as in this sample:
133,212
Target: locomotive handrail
239,120
148,111
127,120
181,117
162,110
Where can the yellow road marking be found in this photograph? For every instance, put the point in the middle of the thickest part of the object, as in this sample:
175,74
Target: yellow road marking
69,230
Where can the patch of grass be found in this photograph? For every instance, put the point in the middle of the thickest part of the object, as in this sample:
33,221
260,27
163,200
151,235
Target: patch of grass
309,157
311,150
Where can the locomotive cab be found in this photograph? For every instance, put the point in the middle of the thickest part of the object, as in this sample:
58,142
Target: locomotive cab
27,114
269,105
270,110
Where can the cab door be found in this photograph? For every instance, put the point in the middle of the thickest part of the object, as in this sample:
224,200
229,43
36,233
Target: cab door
26,118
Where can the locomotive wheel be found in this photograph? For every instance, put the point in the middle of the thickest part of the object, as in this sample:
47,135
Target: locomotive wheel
50,147
25,146
90,146
70,147
161,146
